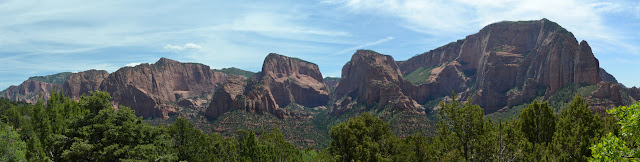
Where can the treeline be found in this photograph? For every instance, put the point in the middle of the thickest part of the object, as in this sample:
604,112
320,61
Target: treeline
91,130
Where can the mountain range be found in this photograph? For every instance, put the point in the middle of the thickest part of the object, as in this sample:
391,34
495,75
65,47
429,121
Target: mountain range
502,67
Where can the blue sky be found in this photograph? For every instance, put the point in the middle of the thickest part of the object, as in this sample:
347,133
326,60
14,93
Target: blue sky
47,37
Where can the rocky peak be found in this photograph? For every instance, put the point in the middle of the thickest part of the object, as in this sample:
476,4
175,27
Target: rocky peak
294,80
147,88
81,83
29,91
372,78
521,57
283,80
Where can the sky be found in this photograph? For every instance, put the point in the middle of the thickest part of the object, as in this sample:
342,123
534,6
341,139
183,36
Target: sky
46,37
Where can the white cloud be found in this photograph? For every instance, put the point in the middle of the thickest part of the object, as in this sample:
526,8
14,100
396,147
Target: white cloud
352,49
458,18
133,64
188,46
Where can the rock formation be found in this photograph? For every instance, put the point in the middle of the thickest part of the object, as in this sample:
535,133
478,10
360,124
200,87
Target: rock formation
81,83
605,76
608,95
29,91
283,80
292,80
34,87
372,78
150,88
509,62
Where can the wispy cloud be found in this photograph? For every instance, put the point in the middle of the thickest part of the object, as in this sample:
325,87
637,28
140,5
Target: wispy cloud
132,64
188,46
353,49
586,19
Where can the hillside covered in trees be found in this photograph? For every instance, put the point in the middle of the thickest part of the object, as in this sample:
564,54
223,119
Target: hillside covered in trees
92,130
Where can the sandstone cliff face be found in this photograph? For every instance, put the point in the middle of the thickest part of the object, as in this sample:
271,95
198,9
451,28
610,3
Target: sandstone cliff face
372,78
147,88
292,80
81,83
29,91
509,62
283,80
605,76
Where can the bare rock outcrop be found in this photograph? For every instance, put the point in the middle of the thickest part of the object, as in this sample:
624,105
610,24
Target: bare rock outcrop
150,88
605,76
508,63
292,80
81,83
608,95
237,94
283,80
372,78
29,91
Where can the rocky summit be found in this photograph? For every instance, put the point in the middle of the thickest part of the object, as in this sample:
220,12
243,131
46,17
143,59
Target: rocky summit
149,89
507,63
372,78
283,81
78,84
29,91
292,80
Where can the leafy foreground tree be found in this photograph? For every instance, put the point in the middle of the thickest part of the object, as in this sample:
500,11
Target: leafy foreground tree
612,148
12,148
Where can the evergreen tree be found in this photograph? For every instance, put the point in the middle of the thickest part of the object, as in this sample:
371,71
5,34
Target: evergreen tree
576,131
363,138
537,122
466,123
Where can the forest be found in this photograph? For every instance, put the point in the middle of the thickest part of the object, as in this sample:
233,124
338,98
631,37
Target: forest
92,130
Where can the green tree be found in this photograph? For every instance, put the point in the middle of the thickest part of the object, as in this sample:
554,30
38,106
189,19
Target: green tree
466,123
112,135
362,138
503,141
12,148
537,122
610,148
576,131
614,148
278,148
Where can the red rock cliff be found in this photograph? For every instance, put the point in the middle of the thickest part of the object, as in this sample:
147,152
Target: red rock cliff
29,91
147,88
521,58
372,78
81,83
294,80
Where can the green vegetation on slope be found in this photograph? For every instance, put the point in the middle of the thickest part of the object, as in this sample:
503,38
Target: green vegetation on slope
558,101
419,76
59,78
91,130
235,71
